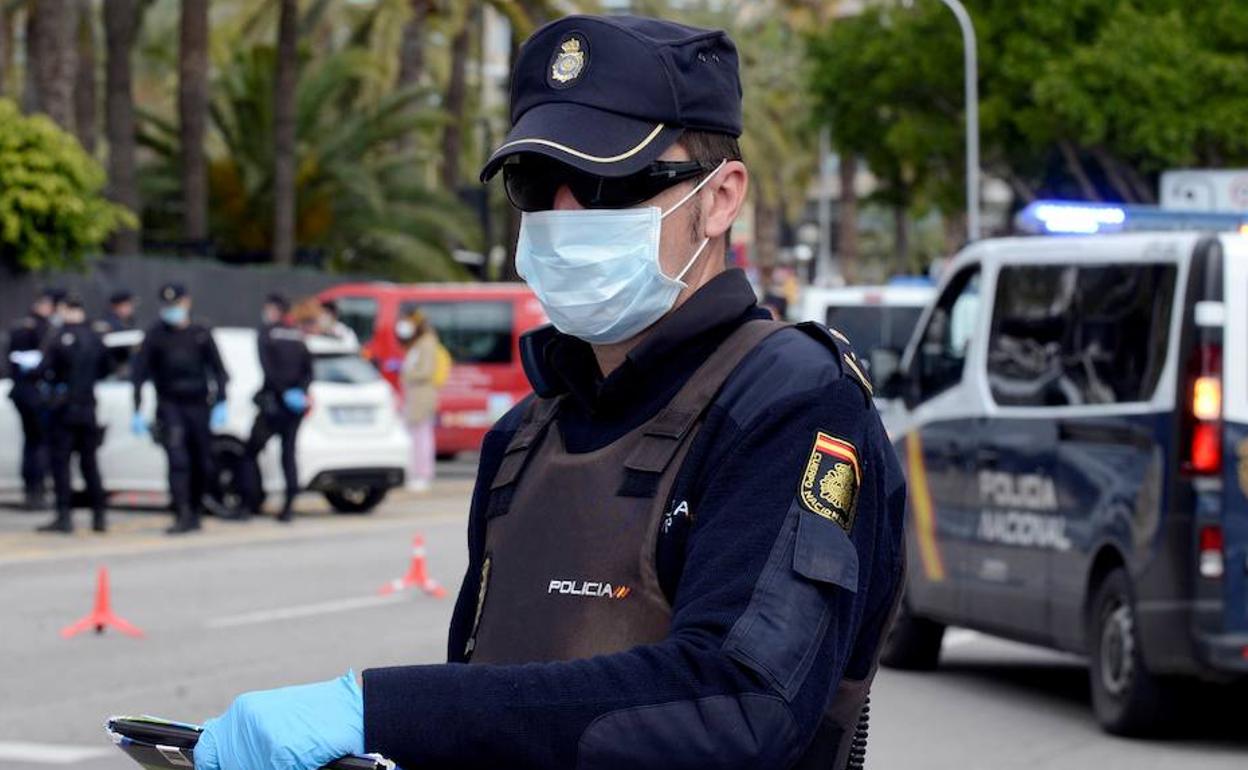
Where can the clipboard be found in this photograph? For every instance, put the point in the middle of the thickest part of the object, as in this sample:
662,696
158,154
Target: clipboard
161,744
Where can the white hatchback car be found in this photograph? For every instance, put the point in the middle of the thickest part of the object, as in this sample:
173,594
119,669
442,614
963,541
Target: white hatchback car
352,447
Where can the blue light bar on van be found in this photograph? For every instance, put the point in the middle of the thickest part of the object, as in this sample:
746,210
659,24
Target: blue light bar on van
1052,217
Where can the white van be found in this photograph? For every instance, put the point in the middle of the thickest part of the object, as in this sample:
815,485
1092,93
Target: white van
1074,432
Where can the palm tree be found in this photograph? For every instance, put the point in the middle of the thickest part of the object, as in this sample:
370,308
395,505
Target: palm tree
121,28
284,84
357,200
455,101
6,47
193,118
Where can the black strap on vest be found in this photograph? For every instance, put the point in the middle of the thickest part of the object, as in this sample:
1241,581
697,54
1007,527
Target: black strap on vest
663,435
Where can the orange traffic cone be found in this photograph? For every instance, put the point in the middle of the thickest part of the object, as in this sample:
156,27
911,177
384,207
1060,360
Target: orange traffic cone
102,615
417,575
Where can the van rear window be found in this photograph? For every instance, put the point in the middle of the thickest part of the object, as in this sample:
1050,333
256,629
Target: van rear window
1065,335
473,332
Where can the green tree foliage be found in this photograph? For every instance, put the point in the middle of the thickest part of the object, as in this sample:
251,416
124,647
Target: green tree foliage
1078,97
52,207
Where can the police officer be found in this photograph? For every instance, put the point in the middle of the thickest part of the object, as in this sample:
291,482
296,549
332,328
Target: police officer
26,340
74,360
120,315
182,361
282,399
685,549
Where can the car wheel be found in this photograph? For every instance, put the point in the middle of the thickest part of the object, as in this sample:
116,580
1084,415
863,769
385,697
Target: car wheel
913,643
228,460
1126,697
358,499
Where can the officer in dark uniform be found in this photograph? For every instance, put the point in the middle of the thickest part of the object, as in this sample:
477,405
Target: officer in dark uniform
182,361
120,315
26,340
282,400
686,548
74,360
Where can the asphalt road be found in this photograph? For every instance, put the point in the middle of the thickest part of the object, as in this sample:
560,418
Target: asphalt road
260,605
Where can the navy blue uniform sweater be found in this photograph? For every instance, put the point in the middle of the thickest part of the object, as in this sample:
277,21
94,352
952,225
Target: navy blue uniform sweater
772,605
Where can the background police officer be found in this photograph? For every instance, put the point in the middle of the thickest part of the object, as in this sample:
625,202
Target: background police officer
120,315
74,360
283,398
182,361
25,354
685,550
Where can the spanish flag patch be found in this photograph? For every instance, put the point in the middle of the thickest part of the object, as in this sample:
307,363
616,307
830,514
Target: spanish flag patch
831,480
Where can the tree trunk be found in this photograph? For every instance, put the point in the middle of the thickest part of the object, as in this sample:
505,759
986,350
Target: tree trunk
766,233
1076,169
412,46
847,219
30,83
455,105
901,236
284,133
6,49
193,118
56,63
412,54
121,29
85,118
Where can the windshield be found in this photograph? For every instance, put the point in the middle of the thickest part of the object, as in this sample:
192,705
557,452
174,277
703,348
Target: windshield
871,327
344,370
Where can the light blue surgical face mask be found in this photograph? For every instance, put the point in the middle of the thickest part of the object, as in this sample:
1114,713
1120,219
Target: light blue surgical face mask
597,272
174,315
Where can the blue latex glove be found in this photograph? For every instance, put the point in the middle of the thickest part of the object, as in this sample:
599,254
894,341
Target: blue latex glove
293,728
216,420
138,424
296,400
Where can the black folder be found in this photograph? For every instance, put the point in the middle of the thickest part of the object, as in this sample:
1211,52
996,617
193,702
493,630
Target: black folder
159,744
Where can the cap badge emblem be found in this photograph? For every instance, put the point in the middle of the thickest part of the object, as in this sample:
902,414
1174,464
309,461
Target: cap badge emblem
569,62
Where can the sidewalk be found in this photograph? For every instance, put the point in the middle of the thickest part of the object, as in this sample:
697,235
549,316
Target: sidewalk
141,529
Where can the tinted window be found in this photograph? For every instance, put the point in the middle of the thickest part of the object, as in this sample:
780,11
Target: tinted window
359,313
473,332
871,327
345,370
947,338
1068,335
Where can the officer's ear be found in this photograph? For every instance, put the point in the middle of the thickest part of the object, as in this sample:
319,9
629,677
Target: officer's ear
723,198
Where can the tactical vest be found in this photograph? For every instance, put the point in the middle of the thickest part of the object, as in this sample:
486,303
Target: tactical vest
569,565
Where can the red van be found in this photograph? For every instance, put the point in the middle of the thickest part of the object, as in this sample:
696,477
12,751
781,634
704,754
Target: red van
479,324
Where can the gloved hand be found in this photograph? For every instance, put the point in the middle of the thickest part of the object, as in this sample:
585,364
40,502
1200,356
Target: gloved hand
295,399
138,424
216,420
292,728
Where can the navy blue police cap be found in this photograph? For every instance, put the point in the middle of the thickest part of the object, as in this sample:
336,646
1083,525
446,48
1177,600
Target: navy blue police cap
172,292
609,94
120,296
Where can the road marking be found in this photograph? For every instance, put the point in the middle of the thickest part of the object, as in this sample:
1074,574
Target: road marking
48,753
958,637
301,611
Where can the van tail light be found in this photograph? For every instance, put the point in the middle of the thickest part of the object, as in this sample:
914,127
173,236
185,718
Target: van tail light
1211,561
1202,430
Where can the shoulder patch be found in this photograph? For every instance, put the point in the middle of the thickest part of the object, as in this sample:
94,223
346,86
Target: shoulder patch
843,349
830,482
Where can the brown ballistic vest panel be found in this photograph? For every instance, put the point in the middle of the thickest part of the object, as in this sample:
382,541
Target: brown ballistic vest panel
569,568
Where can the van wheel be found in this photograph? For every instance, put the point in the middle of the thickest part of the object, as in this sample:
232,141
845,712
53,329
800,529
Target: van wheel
361,499
913,643
1127,698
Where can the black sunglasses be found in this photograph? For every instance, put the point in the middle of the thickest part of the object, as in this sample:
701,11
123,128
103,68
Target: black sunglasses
532,181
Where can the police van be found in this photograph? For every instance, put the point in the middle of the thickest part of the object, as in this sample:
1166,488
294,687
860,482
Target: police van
1075,438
